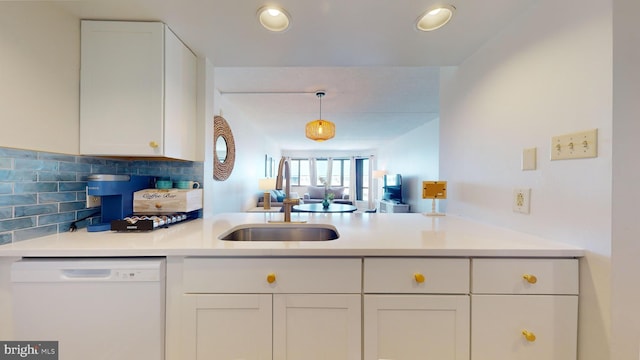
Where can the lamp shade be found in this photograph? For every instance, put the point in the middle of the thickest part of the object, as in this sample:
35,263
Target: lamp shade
378,174
320,130
267,184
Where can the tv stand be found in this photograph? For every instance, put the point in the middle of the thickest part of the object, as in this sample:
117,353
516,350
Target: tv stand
389,206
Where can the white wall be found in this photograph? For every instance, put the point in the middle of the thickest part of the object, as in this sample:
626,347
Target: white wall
548,73
39,77
415,156
625,334
240,191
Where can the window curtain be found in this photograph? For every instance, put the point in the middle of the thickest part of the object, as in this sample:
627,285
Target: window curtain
329,171
373,191
313,172
352,180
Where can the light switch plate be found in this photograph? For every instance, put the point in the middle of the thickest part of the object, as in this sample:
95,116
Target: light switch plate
577,145
529,159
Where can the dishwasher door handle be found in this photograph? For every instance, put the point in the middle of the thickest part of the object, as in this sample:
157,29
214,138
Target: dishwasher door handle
86,273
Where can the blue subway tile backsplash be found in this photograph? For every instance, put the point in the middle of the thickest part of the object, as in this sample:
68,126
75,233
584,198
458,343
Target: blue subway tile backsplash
43,193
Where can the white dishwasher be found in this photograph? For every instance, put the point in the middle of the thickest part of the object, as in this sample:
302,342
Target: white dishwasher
96,308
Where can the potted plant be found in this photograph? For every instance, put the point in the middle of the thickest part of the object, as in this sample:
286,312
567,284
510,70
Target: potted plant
328,198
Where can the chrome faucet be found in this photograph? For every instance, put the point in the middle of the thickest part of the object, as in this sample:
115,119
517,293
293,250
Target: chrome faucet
283,172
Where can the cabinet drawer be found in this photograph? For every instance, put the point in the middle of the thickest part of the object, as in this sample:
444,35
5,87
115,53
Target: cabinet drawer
253,275
416,275
524,327
525,276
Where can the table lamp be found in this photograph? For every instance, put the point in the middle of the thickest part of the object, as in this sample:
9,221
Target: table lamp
266,185
434,190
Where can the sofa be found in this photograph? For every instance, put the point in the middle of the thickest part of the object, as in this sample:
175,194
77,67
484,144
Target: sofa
315,194
277,198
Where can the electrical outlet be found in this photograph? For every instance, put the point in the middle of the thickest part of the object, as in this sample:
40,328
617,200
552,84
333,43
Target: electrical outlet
92,201
521,200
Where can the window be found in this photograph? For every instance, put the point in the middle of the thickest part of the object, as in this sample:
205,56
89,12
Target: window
340,172
300,174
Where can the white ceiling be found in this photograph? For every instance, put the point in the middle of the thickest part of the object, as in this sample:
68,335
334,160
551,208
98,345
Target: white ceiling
380,74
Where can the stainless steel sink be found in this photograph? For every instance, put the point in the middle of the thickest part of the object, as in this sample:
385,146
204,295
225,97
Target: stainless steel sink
281,232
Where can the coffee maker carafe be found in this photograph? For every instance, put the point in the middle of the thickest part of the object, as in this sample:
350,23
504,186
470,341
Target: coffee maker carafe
116,196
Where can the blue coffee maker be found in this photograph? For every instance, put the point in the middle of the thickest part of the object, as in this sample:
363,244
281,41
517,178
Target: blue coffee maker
116,196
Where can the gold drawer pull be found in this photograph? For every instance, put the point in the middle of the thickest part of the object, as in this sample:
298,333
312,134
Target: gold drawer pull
153,144
531,337
419,278
531,279
271,278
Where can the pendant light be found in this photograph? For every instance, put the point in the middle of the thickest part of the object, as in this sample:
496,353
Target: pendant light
320,130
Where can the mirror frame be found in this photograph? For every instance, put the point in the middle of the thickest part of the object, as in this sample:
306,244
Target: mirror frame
222,169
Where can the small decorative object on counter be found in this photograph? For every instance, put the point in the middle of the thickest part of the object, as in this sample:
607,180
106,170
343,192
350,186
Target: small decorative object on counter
166,201
150,222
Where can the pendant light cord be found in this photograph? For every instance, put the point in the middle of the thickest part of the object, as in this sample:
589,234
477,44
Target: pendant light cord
320,94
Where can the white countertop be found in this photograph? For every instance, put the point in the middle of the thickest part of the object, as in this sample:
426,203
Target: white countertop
409,234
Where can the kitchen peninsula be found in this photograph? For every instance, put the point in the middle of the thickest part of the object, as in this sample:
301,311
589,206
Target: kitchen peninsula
461,284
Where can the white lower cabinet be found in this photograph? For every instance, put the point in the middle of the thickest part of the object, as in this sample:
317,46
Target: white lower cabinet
317,326
371,308
416,308
406,327
260,309
524,327
524,309
227,326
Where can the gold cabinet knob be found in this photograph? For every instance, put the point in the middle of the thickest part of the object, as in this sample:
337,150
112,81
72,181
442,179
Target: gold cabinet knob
271,278
531,279
153,144
418,277
531,337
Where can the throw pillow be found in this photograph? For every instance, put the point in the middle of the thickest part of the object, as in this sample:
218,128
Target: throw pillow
274,195
337,192
316,192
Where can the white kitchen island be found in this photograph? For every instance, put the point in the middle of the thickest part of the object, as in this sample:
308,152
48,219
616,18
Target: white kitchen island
395,286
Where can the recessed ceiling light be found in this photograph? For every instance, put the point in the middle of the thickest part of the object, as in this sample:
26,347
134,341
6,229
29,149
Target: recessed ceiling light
435,18
274,18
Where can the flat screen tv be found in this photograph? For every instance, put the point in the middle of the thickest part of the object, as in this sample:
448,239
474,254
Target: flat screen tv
392,188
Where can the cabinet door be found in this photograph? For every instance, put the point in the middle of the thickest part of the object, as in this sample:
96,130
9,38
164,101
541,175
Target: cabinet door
498,323
121,88
317,326
227,327
180,99
407,327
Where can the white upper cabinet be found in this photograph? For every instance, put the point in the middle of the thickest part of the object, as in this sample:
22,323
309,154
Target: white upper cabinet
137,91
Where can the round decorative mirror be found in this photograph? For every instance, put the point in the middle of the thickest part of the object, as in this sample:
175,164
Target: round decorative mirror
224,149
221,148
